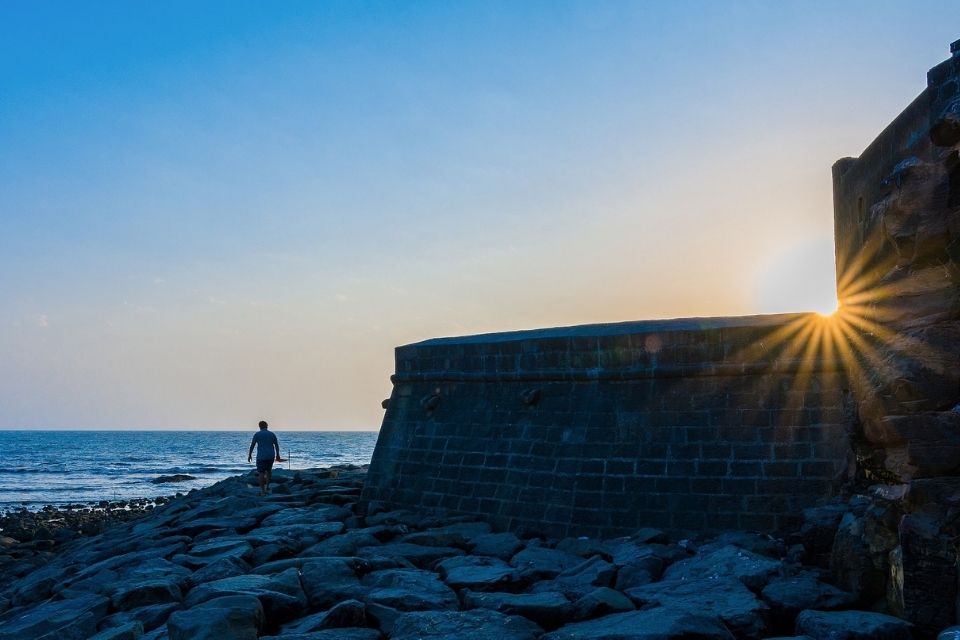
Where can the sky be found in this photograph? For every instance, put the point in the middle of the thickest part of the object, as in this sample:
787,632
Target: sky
213,213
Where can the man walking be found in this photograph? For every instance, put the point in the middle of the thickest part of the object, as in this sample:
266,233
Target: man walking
268,450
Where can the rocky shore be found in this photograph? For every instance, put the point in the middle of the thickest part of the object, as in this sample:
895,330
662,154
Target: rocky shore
305,564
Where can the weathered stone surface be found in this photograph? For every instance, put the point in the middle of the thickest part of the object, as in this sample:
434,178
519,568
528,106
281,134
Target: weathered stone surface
454,535
601,602
129,631
349,613
229,567
923,585
851,625
356,633
281,595
724,596
238,617
477,624
408,590
496,545
751,569
540,562
788,596
580,580
649,624
307,515
76,618
344,544
327,581
548,609
931,439
479,573
858,560
141,594
419,555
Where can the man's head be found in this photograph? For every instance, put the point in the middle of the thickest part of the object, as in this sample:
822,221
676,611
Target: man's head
263,424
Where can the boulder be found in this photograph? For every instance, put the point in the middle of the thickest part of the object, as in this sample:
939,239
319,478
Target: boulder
307,515
453,535
219,569
477,624
601,602
281,595
751,569
349,613
496,545
548,609
177,477
788,596
478,573
649,624
344,544
419,555
238,617
580,580
543,563
154,615
851,625
71,619
141,594
408,590
328,581
723,596
129,631
355,633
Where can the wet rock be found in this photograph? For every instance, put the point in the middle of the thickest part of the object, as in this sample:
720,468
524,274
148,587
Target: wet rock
851,625
548,609
788,596
238,617
601,602
177,477
477,624
496,545
408,590
649,624
478,573
751,569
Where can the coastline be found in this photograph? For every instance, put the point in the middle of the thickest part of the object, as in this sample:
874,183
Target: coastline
309,562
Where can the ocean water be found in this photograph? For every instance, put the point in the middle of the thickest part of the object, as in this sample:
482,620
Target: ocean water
61,467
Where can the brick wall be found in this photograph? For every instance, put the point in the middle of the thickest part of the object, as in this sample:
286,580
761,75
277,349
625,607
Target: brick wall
699,424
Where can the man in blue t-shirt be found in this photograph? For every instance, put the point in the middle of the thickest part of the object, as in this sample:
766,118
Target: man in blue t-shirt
266,444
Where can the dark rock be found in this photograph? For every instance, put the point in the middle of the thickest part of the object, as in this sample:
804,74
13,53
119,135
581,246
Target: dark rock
238,617
349,613
477,624
859,560
649,624
382,617
851,625
580,580
306,515
548,609
496,545
229,567
539,562
760,544
601,602
344,544
751,569
454,535
419,555
585,547
788,596
330,634
950,633
328,581
141,594
478,573
177,477
923,588
154,615
129,631
76,618
281,595
408,590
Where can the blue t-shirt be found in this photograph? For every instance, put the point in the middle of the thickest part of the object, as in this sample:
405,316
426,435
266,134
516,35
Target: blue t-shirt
265,441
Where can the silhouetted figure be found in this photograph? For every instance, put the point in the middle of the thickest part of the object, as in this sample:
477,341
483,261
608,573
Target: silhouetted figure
268,451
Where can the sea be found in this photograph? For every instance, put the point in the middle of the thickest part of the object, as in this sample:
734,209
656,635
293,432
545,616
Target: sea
41,468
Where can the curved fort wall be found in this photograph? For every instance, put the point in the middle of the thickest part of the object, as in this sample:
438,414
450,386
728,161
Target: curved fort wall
726,422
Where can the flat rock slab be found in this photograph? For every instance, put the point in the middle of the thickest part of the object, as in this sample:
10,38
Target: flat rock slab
580,580
549,610
453,535
408,590
129,631
141,594
330,634
479,573
478,624
497,545
281,595
307,515
418,555
349,613
601,602
851,625
74,618
789,596
727,598
238,617
752,569
649,624
540,562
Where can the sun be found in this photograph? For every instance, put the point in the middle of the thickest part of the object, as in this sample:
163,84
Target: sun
828,309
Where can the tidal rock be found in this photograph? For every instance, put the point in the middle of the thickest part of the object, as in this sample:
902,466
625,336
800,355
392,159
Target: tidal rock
543,563
238,617
408,590
477,624
751,569
496,545
788,596
478,573
723,596
73,619
601,602
307,515
649,624
851,625
177,477
548,609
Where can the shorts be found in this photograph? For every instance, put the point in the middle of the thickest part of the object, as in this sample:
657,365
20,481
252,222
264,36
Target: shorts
264,465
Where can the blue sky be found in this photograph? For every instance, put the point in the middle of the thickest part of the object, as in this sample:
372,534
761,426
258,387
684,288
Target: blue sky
216,212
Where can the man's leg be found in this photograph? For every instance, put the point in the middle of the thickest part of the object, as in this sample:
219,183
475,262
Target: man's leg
269,478
263,483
